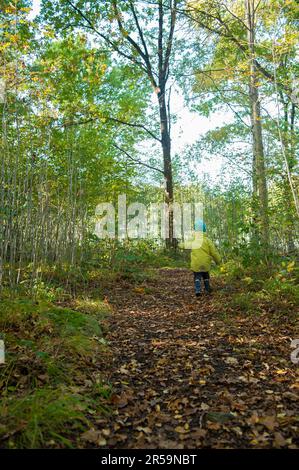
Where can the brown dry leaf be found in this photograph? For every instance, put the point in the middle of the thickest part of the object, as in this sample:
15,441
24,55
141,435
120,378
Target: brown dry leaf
168,444
254,418
214,426
174,405
124,370
295,385
156,343
120,400
269,421
204,406
279,440
93,436
198,434
231,361
146,430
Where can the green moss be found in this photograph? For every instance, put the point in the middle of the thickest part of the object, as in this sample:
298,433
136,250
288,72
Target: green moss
41,416
47,350
13,313
69,322
93,306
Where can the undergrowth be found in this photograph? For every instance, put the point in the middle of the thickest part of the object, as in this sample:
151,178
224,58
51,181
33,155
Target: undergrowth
260,288
50,381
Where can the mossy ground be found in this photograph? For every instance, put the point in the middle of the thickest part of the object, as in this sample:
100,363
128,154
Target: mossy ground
51,382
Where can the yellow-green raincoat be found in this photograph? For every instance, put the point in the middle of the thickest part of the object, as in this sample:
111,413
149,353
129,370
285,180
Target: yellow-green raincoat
203,252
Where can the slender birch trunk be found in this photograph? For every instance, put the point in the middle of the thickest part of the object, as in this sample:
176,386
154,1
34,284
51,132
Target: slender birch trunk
260,191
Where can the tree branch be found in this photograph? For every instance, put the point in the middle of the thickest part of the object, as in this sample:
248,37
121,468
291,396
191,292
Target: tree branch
141,35
139,162
229,35
106,39
108,118
160,42
147,68
170,38
140,126
234,16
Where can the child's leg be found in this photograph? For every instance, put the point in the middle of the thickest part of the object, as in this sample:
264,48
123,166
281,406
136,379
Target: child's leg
206,279
197,279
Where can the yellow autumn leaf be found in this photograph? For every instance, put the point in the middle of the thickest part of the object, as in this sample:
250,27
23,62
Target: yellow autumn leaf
291,266
181,430
281,372
139,290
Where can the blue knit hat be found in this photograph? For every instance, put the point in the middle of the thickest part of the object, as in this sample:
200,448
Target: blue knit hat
200,226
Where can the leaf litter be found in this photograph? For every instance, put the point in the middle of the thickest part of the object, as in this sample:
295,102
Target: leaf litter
184,377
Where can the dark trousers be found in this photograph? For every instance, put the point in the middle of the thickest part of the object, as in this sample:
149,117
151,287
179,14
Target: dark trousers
206,279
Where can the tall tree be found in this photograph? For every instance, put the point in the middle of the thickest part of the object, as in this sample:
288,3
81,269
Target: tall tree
259,171
141,33
234,75
235,24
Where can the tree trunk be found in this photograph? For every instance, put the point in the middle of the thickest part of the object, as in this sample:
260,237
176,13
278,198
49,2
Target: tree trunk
260,191
163,74
167,166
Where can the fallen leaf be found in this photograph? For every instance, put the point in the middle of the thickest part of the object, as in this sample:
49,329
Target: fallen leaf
181,430
231,360
269,421
279,440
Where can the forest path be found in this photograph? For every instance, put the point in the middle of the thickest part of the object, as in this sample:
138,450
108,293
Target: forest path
191,373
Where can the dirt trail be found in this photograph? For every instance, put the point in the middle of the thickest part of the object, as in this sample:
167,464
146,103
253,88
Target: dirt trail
187,374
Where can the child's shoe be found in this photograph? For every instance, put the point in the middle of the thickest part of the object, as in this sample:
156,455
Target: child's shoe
197,287
208,288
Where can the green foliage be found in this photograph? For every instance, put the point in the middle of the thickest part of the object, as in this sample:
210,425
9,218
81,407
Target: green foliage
262,288
244,302
41,418
233,269
47,351
133,259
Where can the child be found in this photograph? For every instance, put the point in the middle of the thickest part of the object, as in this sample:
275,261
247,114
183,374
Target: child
202,253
